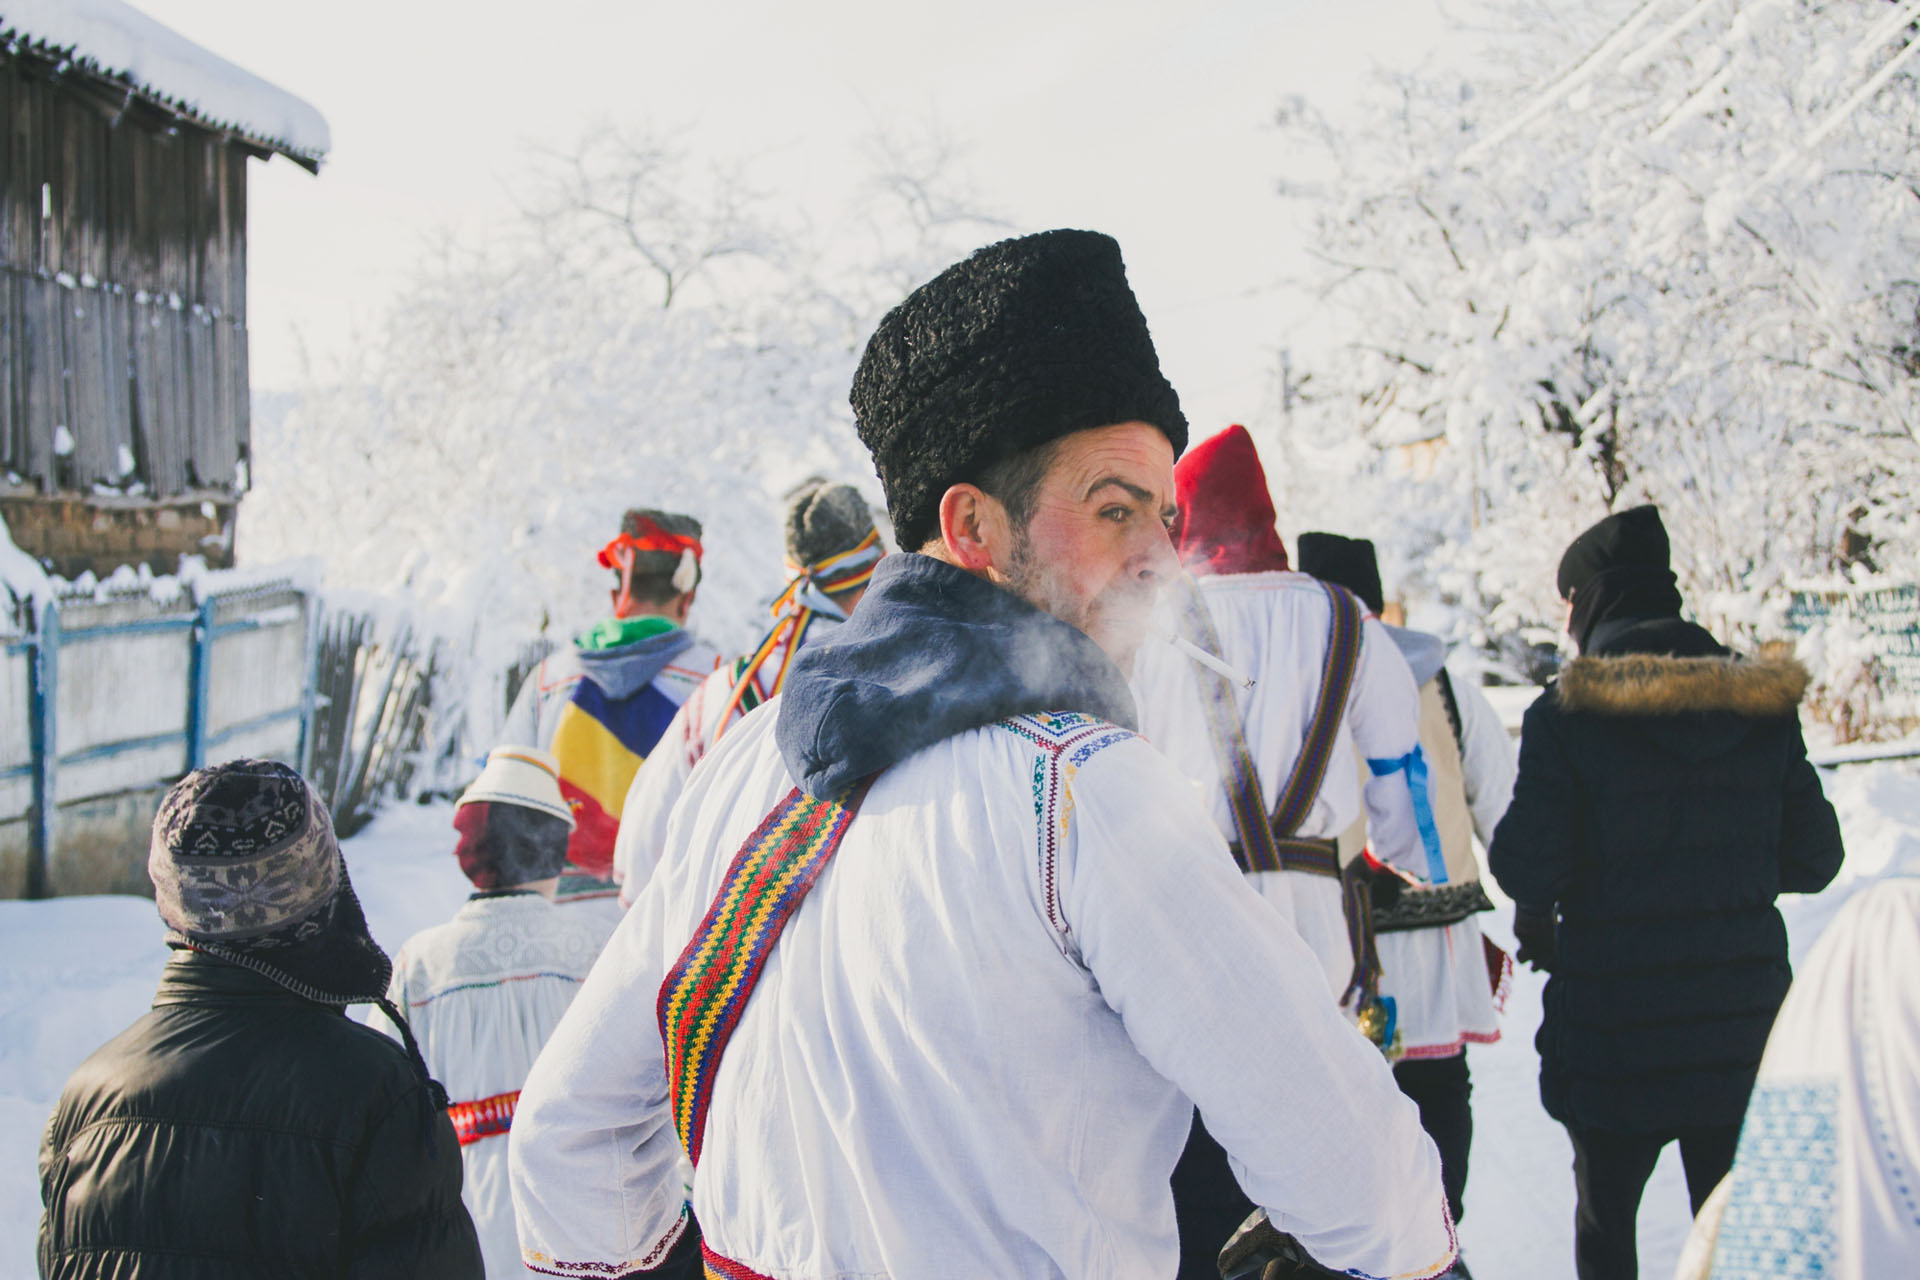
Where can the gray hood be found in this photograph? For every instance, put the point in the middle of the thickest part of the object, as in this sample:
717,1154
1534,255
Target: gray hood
1426,654
930,652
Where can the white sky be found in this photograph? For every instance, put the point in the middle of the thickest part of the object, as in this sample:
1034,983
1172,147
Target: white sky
1144,120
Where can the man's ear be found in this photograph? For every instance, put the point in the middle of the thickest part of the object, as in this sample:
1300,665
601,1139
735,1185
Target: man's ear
972,527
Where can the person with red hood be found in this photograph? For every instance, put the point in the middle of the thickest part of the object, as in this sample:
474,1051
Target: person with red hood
1275,682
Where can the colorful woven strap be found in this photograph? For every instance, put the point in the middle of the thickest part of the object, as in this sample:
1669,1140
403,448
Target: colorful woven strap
1313,857
1302,853
749,695
708,987
486,1118
1329,709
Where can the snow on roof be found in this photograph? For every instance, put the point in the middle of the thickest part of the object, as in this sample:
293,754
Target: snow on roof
116,42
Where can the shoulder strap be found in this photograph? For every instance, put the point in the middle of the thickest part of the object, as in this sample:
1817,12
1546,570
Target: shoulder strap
743,693
1329,709
1255,850
1452,706
707,989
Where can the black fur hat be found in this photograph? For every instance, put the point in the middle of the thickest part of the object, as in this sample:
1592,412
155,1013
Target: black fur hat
1346,562
1024,342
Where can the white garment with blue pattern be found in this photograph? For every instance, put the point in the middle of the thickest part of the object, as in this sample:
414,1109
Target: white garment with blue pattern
1824,1182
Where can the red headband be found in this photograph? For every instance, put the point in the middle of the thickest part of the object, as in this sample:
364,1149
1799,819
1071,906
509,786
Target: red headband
650,538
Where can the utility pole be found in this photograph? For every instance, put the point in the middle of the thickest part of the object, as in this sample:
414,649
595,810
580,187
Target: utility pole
1286,389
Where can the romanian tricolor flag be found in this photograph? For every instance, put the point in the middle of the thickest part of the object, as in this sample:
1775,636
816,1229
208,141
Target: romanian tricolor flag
600,742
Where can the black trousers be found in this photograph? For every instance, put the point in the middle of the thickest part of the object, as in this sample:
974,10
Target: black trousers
1207,1202
1210,1205
1610,1171
1442,1089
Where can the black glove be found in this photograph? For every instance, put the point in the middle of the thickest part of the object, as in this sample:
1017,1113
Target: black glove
1534,929
1385,887
1258,1251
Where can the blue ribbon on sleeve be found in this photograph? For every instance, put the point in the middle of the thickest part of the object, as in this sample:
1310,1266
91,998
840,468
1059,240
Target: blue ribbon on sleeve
1414,765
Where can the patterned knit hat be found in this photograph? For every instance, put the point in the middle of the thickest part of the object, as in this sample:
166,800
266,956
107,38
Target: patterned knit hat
245,867
1024,342
824,520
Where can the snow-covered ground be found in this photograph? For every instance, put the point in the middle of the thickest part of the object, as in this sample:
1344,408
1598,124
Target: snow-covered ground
80,969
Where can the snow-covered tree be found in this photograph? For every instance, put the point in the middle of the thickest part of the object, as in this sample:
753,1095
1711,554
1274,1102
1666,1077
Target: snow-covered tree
1658,251
648,333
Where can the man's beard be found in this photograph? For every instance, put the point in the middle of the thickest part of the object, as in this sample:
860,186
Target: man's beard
1033,580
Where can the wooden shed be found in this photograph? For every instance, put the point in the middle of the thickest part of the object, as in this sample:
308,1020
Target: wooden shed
123,243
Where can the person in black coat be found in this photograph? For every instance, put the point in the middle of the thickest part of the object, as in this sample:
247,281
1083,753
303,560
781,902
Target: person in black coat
245,1127
1664,800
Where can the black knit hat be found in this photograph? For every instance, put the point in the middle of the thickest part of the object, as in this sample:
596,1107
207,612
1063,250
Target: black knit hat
1024,342
1633,538
1346,562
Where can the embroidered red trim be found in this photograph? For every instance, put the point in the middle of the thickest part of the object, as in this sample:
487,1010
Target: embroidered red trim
485,1118
719,1268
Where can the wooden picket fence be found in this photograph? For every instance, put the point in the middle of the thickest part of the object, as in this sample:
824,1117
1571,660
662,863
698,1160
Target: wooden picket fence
372,697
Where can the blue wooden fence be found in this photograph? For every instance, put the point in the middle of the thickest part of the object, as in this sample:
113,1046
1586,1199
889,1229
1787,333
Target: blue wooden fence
131,715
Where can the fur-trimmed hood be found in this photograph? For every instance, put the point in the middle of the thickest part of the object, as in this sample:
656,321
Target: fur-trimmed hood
1642,684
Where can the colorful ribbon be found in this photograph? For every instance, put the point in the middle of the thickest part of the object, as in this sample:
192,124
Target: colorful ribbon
814,591
651,537
1414,765
815,586
619,554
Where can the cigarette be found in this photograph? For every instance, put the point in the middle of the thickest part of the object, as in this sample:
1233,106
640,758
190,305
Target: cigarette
1210,662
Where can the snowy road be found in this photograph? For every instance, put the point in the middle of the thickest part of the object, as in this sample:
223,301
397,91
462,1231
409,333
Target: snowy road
80,969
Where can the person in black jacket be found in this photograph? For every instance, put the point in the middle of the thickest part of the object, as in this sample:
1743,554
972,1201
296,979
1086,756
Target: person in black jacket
1664,800
245,1127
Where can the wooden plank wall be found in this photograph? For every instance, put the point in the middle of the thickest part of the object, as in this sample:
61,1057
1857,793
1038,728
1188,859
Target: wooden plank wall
123,250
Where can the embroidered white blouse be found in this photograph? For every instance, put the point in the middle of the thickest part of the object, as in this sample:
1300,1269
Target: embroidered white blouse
482,993
973,1050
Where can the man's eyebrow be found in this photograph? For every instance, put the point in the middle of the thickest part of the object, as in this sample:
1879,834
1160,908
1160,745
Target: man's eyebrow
1133,491
1167,511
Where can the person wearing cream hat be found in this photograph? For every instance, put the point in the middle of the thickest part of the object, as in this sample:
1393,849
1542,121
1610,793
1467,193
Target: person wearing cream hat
482,992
